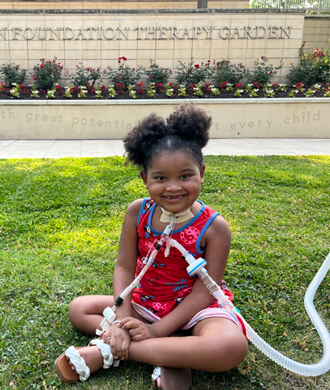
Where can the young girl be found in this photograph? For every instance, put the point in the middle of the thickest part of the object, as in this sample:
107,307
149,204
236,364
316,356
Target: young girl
167,300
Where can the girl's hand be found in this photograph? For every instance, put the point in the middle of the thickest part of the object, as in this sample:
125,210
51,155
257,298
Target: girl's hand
119,341
137,329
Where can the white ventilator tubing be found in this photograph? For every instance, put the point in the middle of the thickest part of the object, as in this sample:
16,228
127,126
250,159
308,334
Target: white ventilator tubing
197,267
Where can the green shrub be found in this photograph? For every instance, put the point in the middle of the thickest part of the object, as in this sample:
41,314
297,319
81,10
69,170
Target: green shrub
13,74
47,73
156,74
85,76
262,73
226,71
313,67
190,73
124,75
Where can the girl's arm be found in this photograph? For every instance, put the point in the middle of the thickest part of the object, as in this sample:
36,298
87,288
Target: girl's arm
123,275
217,241
125,267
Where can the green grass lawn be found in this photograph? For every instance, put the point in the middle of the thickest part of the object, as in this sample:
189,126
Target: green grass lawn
60,222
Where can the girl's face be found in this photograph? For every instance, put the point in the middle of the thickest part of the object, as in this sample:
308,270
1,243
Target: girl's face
174,180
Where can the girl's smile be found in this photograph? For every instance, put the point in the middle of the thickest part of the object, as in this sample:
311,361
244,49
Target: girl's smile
174,180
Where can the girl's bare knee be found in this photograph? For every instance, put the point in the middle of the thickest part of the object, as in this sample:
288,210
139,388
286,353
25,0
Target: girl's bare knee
76,310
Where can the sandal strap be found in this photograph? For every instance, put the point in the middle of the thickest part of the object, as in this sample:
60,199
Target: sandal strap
105,351
156,373
79,363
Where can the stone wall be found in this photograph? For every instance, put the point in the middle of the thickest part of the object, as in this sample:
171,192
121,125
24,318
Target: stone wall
99,37
231,118
317,32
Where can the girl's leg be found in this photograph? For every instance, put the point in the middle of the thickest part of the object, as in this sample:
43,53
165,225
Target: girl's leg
216,345
86,312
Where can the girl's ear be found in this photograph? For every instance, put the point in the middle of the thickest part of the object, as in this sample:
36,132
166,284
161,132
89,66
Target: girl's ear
143,175
202,171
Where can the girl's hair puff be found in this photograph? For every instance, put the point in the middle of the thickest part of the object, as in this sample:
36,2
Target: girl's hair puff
186,129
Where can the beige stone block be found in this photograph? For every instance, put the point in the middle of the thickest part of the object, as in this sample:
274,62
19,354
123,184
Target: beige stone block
55,45
146,45
18,45
94,55
236,53
73,54
256,44
165,45
37,54
202,44
238,44
309,29
4,56
290,53
165,63
163,54
142,62
202,56
274,53
145,55
4,45
274,43
218,55
255,54
296,34
183,44
73,45
111,45
292,43
59,54
220,44
112,63
112,55
295,23
36,45
182,55
126,45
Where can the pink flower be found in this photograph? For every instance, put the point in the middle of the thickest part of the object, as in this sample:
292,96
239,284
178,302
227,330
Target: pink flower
121,77
150,77
76,66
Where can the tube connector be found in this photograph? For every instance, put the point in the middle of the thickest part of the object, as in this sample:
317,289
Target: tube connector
195,267
109,317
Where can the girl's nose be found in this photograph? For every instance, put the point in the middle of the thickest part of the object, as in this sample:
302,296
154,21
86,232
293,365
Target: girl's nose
173,186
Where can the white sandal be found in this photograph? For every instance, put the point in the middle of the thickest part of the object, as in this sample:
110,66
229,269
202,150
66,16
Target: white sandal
82,373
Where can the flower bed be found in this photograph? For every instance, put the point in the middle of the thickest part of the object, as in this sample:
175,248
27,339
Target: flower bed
173,91
218,80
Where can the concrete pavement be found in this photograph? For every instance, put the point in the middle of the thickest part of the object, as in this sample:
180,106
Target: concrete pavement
103,148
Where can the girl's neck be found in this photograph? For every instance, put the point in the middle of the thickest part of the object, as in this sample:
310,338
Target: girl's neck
179,217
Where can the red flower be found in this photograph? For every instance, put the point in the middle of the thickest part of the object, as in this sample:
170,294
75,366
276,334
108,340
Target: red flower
197,66
119,61
124,58
58,87
34,78
121,77
150,77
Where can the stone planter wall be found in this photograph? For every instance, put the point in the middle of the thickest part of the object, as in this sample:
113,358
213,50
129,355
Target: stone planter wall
232,118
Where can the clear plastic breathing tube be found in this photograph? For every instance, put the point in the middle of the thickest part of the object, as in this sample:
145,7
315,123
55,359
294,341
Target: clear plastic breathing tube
197,267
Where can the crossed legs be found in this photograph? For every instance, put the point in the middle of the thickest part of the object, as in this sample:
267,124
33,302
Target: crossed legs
215,345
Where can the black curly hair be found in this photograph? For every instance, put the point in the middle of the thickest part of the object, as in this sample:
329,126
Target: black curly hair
186,129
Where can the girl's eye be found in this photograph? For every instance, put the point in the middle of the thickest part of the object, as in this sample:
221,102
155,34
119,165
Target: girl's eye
184,176
160,178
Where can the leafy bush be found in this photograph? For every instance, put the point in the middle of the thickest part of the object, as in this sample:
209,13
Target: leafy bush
13,74
190,73
47,73
124,75
86,76
157,74
226,71
313,67
262,73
